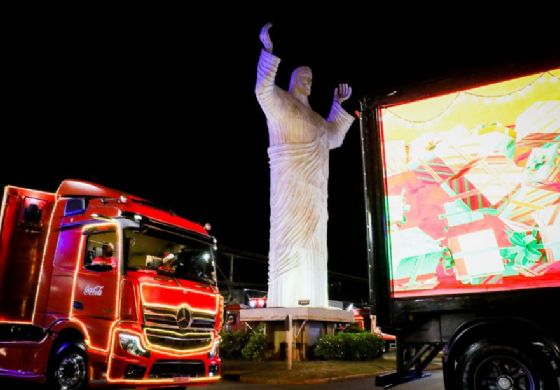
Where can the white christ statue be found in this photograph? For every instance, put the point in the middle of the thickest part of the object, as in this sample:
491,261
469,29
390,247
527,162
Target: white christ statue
300,140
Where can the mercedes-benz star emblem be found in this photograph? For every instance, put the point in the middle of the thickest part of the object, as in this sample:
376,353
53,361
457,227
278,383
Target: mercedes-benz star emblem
183,318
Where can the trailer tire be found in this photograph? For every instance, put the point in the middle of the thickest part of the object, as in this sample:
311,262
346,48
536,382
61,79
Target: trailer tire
68,367
486,365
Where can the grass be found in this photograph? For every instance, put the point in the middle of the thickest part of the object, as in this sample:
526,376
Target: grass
275,372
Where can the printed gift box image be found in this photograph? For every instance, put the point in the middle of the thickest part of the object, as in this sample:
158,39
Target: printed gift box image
536,127
476,255
415,258
548,220
543,166
525,202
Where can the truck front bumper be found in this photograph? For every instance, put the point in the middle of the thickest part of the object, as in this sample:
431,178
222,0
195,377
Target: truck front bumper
142,366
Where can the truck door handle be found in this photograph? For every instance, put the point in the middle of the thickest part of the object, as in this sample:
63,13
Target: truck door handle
78,305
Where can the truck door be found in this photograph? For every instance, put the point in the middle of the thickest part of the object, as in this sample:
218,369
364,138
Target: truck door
95,300
24,225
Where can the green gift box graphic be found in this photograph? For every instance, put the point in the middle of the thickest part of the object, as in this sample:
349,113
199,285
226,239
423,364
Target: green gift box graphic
543,165
415,257
458,213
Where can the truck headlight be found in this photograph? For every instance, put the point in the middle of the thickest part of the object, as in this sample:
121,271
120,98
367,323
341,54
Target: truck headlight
215,348
132,344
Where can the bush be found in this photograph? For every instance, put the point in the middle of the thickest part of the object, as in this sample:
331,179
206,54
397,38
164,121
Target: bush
348,346
256,346
329,347
232,344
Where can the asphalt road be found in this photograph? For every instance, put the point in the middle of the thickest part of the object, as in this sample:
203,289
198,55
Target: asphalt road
434,382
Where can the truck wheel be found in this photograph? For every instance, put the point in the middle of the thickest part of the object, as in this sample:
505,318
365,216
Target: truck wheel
500,367
69,368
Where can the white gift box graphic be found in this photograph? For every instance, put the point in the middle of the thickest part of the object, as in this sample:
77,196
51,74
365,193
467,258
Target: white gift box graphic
476,254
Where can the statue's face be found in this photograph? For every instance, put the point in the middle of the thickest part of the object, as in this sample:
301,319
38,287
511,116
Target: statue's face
301,80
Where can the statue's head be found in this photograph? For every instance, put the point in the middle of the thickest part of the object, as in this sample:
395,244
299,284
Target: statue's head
300,83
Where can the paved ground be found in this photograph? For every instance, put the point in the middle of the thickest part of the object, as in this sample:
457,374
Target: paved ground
434,382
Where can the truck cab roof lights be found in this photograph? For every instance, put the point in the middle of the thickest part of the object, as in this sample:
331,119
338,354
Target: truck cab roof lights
77,188
208,226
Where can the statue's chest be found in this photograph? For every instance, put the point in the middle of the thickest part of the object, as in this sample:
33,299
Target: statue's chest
307,118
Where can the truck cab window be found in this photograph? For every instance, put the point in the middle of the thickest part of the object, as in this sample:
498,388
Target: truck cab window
171,255
101,254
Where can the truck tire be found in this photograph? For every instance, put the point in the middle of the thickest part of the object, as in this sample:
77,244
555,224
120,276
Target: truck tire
68,370
502,367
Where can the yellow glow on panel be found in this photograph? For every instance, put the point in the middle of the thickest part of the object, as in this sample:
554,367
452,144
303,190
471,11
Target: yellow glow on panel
502,103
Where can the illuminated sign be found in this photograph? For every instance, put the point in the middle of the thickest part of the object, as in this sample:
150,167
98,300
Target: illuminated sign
473,188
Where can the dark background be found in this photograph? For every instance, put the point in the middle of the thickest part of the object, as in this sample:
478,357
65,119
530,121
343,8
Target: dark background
160,103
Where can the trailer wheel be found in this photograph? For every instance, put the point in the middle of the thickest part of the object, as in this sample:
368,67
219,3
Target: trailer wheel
68,370
501,367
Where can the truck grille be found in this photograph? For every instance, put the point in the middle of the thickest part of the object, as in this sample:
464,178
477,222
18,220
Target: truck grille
180,329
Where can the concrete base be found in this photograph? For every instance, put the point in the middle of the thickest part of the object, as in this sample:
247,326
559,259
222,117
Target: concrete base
308,324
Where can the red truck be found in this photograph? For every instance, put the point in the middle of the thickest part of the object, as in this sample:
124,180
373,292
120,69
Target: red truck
74,315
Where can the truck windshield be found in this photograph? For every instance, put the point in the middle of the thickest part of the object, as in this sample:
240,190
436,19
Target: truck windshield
169,254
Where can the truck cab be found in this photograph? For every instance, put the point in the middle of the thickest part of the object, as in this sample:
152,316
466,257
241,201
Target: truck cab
100,287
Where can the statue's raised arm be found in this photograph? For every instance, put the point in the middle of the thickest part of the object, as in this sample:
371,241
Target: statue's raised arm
265,37
265,89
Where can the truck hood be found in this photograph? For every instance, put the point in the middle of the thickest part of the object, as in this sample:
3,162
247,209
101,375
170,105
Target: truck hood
156,290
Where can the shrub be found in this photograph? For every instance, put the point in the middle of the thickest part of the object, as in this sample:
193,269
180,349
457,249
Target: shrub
256,345
362,346
348,346
329,347
232,344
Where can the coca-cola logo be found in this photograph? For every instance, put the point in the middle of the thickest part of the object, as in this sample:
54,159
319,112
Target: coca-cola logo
94,290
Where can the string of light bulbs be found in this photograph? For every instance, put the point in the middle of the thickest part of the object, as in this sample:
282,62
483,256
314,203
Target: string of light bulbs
545,76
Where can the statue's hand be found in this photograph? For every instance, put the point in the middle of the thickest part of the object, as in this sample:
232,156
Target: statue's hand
265,37
342,93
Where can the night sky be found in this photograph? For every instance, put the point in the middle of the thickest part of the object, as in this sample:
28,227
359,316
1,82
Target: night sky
151,103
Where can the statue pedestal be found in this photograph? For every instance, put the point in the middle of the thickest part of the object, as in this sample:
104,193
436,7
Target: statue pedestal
308,324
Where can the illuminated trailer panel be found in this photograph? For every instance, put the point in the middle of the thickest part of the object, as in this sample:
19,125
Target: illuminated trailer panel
473,188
